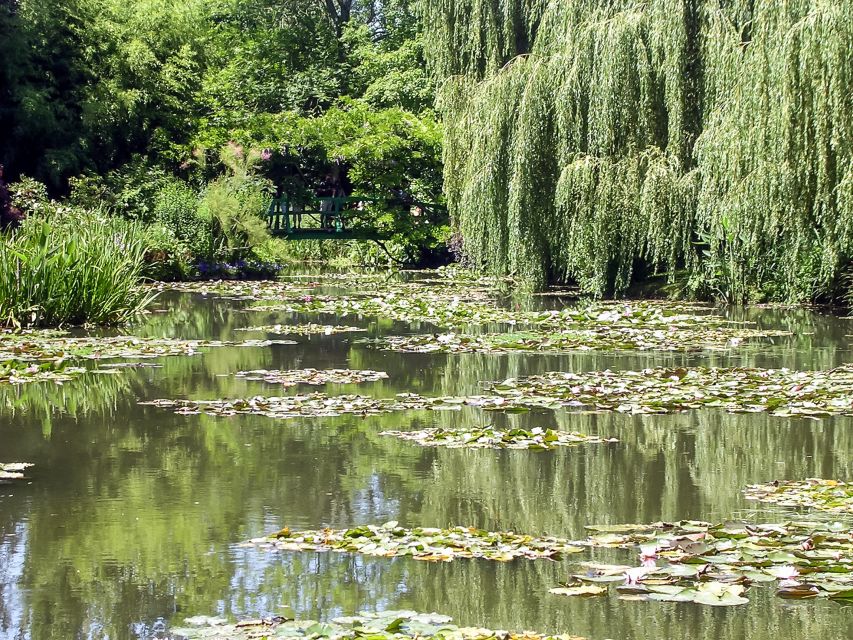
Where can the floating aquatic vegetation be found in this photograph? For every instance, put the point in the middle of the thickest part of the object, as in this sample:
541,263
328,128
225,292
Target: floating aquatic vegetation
16,372
32,347
781,392
234,289
385,625
458,306
602,337
426,305
422,543
494,438
693,561
309,405
13,470
825,495
313,376
48,356
303,329
322,405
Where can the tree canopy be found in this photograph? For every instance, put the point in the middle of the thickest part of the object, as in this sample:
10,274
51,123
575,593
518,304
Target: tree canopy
592,141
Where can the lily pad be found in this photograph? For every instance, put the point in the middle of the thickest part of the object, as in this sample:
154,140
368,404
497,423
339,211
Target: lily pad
582,338
39,356
13,470
422,543
494,438
303,329
314,377
315,404
781,392
714,564
825,495
386,625
580,590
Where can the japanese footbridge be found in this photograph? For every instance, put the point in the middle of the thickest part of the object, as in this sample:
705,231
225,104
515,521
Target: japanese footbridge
343,218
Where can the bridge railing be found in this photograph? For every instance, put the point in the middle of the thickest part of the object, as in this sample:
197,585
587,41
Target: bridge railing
333,214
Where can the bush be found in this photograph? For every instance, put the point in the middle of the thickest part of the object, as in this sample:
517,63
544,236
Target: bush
30,196
78,268
176,208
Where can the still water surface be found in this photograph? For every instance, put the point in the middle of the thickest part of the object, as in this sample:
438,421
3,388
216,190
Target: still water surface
133,519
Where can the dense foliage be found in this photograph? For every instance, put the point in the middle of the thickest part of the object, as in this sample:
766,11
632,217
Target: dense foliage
601,141
184,115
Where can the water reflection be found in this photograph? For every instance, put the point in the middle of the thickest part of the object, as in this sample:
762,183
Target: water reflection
134,513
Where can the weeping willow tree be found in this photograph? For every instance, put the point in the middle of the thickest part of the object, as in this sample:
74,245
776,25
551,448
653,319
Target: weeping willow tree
707,138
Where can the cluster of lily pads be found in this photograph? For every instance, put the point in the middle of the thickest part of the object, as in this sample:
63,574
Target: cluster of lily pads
688,561
13,470
32,347
489,437
307,329
422,543
36,356
781,392
600,337
290,378
465,305
18,372
700,562
233,289
385,625
825,495
439,308
297,406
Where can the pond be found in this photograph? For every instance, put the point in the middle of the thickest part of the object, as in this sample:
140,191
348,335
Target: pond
134,517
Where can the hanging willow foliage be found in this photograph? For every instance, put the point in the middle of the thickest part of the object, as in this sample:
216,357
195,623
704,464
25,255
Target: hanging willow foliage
707,137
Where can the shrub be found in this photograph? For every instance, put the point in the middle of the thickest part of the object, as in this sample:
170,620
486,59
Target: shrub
176,208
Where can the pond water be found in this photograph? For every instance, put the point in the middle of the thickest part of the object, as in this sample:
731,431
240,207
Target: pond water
133,517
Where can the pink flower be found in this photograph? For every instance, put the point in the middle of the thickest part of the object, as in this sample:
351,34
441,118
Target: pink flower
633,576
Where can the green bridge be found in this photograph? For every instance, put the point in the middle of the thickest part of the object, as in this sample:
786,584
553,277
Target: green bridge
337,218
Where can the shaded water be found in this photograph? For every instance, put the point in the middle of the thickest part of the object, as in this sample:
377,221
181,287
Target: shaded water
134,516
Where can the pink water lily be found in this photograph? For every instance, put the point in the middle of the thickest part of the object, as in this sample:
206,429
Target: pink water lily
648,555
633,576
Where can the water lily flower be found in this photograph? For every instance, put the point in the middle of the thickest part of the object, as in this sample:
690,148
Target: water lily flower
785,573
633,576
807,545
648,555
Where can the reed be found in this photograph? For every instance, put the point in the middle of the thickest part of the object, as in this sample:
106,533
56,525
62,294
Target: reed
70,272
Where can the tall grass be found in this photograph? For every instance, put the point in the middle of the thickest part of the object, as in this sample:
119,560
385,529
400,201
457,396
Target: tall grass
77,270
